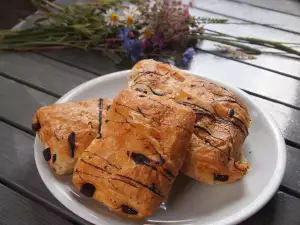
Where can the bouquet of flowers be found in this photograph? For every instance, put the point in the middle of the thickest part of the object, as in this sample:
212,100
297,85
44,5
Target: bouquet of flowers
135,29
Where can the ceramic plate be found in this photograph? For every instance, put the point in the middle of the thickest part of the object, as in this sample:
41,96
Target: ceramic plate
190,202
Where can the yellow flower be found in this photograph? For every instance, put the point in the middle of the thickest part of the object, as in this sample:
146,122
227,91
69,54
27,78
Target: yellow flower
146,33
111,18
130,15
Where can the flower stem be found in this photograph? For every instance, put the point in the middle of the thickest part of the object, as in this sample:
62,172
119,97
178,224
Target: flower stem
227,42
53,5
272,44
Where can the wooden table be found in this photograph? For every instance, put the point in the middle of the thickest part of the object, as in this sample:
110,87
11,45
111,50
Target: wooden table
31,80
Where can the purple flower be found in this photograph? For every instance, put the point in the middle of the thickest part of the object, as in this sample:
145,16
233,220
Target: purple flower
124,32
158,41
188,55
134,49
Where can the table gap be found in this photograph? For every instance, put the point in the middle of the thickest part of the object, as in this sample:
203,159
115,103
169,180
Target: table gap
35,198
266,8
30,85
249,21
69,64
289,191
250,64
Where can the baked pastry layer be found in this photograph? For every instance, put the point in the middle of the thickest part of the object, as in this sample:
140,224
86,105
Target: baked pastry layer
132,167
215,151
67,129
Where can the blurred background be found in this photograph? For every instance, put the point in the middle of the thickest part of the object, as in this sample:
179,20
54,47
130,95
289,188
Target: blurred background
12,11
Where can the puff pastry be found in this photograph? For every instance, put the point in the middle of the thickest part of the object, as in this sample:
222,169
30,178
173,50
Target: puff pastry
215,151
66,130
132,167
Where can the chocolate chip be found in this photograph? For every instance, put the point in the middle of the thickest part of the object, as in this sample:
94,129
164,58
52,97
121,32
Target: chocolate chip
231,112
54,158
167,171
139,158
128,210
140,111
141,90
36,126
47,154
88,189
142,96
108,107
220,177
152,187
90,124
155,92
161,160
71,141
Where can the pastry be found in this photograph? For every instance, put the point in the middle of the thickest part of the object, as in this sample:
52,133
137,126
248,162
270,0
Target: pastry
67,129
143,146
215,152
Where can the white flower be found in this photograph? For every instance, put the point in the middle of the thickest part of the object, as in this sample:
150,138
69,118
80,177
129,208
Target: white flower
131,15
111,18
145,33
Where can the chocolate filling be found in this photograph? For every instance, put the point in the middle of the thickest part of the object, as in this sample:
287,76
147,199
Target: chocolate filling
71,141
54,158
139,158
141,90
88,189
100,117
231,112
167,171
47,154
126,209
155,92
220,177
152,187
36,126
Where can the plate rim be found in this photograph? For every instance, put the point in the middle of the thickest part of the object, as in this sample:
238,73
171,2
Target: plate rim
237,217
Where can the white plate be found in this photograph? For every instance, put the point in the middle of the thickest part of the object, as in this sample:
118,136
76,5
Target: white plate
190,202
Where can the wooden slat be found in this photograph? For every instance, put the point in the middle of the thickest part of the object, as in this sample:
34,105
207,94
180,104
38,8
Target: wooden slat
251,79
282,209
18,102
248,78
93,62
287,118
285,65
291,7
42,71
15,209
17,155
253,14
17,165
291,178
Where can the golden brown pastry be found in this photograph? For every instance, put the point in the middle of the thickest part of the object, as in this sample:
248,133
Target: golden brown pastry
215,151
67,130
132,167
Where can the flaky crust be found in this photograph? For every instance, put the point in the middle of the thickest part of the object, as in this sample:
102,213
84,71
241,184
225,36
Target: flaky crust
67,129
215,151
132,167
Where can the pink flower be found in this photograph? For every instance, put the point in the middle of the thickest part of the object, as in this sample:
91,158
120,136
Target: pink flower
131,34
